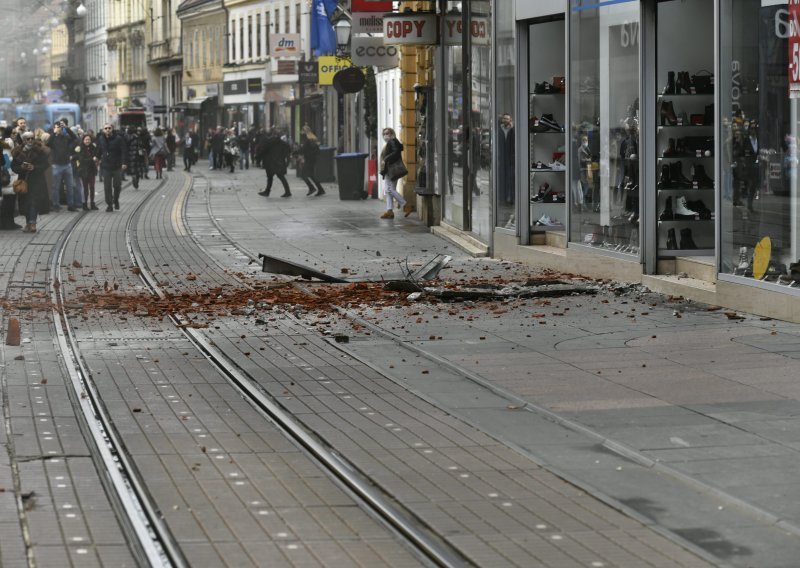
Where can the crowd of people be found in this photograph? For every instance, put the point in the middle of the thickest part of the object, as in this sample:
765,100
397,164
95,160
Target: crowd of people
45,169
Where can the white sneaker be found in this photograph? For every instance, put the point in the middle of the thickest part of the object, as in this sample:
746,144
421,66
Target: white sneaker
744,264
557,166
681,210
544,220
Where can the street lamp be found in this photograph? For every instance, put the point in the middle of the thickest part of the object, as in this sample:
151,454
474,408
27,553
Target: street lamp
343,28
80,11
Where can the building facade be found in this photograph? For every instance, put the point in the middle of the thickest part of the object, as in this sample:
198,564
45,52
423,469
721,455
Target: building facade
203,33
96,77
165,58
127,55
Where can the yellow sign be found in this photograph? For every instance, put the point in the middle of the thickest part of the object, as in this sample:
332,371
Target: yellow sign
329,66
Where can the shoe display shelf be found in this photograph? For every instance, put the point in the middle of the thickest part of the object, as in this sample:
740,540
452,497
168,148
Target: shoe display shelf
685,136
547,182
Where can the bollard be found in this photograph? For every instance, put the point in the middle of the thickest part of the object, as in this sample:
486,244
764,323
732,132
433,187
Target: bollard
12,336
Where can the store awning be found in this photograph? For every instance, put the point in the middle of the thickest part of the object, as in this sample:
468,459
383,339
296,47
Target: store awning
194,104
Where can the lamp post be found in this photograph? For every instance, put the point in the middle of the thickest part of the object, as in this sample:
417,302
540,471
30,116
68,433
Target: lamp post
343,29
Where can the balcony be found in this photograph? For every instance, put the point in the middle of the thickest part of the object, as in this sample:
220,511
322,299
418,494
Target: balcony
164,51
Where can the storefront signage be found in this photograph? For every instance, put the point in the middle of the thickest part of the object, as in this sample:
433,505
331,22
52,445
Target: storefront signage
234,87
286,67
330,65
284,45
308,72
367,23
254,85
370,51
794,49
159,109
479,30
409,28
371,6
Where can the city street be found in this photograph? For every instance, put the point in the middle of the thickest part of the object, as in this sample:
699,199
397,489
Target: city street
169,403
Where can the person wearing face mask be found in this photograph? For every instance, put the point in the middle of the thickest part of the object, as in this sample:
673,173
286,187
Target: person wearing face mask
275,152
29,160
62,147
112,157
392,152
9,202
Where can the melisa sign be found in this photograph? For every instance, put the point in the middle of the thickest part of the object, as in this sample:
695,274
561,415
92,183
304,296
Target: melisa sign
409,28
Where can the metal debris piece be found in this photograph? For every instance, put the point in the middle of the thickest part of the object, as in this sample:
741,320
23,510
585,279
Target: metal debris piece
427,271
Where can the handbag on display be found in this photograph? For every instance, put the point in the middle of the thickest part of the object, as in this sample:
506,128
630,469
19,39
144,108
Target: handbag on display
703,82
396,170
20,186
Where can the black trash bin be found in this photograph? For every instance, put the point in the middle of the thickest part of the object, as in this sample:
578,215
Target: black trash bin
350,174
324,167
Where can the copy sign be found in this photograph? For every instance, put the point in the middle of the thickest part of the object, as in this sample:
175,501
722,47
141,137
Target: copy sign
794,49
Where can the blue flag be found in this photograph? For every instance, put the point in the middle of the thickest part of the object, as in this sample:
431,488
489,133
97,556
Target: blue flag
323,38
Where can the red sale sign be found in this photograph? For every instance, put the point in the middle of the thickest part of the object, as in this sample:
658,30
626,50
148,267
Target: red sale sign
371,6
794,49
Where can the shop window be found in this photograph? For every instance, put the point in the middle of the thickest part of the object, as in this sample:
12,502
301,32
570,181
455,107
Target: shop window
545,124
685,129
604,130
760,210
505,101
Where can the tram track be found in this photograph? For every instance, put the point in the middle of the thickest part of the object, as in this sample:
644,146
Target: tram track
148,536
428,546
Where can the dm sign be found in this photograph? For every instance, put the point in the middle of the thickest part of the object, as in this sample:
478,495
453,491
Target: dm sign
284,45
409,28
329,65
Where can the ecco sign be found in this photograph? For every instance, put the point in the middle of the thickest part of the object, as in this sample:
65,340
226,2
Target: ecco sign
370,51
409,28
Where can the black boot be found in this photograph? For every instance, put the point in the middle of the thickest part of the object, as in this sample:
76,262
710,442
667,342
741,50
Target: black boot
676,174
665,180
670,88
667,214
668,117
700,207
687,243
701,178
672,243
685,82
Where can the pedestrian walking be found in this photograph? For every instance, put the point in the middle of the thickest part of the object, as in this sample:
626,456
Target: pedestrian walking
158,152
230,150
172,147
135,153
87,171
218,148
209,147
392,169
113,157
309,150
275,152
252,136
7,177
244,150
29,161
62,147
189,150
145,143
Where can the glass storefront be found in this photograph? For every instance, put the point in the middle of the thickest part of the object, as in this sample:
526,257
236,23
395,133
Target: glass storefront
481,119
759,195
604,130
505,100
453,194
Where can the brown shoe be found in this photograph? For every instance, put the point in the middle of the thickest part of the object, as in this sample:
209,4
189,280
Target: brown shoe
408,209
389,214
29,228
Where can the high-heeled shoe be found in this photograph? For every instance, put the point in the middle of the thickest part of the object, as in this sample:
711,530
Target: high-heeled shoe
670,88
668,117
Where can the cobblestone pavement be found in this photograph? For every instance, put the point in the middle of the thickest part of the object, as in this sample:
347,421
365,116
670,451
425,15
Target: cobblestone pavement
520,433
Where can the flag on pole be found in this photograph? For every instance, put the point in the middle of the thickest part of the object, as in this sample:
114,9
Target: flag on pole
323,38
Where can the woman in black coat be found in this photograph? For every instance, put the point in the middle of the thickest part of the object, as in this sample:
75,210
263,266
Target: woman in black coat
275,152
30,161
87,170
310,151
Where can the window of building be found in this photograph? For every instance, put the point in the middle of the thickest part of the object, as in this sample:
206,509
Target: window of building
250,36
259,55
297,16
760,98
604,110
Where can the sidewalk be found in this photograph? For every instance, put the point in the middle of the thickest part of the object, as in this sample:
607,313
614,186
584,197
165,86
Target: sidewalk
681,415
